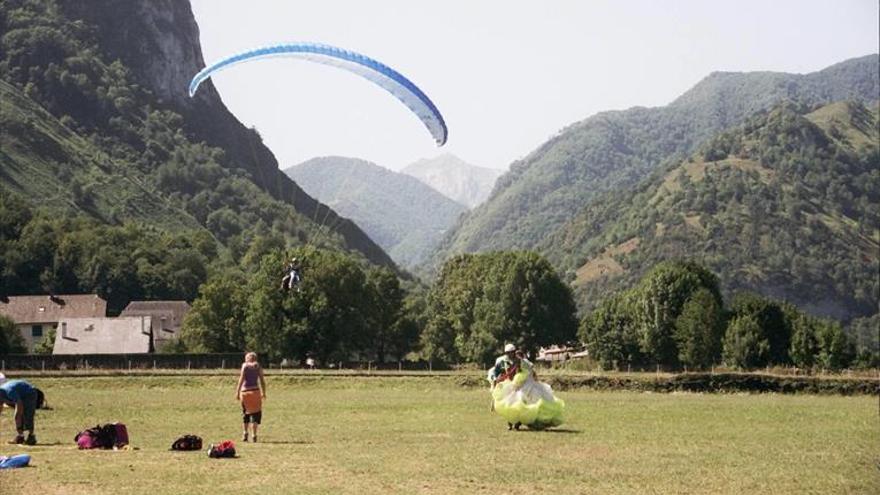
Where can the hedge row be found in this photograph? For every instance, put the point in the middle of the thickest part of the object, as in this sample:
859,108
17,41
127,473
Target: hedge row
708,382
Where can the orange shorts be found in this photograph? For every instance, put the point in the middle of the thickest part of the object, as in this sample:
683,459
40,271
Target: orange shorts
251,401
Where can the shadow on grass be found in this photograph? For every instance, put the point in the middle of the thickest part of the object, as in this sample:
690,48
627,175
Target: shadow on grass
555,430
287,442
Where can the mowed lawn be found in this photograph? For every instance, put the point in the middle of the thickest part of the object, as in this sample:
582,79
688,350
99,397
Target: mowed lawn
429,435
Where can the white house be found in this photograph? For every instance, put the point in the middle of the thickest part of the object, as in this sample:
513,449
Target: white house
167,317
34,316
123,335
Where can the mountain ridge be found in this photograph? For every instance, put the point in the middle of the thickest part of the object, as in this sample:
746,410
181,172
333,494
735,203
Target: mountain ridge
403,215
782,205
613,150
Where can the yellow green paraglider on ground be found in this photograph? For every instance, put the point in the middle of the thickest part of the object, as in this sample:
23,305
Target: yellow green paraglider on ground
527,401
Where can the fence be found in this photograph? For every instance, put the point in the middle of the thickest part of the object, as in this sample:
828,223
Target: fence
119,361
50,362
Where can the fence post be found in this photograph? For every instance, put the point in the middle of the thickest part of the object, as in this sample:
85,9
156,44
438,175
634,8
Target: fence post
400,366
188,365
223,364
129,365
44,366
154,364
430,366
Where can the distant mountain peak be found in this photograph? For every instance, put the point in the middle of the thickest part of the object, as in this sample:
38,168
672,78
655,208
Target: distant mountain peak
400,213
458,180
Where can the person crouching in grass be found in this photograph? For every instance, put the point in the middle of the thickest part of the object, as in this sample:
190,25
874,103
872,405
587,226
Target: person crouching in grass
22,396
250,391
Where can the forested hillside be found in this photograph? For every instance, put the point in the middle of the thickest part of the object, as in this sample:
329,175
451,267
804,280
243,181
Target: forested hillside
784,205
614,150
96,124
404,216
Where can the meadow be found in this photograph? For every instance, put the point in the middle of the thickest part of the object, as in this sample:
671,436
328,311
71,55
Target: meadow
364,435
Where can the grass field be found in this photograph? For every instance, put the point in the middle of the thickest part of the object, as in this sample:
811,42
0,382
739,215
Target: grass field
429,435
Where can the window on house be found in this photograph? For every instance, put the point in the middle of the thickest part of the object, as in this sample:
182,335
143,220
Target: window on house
36,331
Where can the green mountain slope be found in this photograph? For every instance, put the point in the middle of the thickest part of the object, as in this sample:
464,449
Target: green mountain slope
615,150
97,121
403,215
59,169
784,205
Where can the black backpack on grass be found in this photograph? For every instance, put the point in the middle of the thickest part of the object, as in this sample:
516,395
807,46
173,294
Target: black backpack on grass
187,442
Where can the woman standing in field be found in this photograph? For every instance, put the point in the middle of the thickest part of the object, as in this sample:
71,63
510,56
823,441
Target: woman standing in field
250,391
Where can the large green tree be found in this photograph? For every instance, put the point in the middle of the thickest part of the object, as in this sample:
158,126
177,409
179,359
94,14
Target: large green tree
744,343
479,302
326,315
661,296
774,325
385,314
216,321
610,333
699,330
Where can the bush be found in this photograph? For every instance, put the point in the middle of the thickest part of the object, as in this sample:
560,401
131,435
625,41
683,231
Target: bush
10,338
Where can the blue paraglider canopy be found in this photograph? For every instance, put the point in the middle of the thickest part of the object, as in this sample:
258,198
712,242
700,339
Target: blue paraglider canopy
372,70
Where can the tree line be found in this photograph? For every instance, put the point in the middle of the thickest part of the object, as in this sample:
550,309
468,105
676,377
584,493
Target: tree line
346,308
676,317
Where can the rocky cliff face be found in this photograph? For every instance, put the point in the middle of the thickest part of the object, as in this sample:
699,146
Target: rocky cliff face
159,41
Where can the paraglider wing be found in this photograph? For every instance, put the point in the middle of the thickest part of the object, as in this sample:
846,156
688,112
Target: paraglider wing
372,70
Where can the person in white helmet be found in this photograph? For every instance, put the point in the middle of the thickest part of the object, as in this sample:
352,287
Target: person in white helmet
504,369
503,366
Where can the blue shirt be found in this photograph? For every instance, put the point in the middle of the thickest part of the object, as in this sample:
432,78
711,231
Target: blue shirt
15,390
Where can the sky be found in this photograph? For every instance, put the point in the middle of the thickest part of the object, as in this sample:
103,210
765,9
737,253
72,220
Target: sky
506,74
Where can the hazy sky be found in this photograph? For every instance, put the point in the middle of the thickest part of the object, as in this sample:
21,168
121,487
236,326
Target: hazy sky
505,74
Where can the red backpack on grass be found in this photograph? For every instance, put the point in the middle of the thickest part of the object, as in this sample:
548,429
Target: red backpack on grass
225,448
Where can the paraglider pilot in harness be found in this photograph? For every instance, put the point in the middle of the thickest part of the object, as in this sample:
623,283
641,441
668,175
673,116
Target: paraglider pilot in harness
293,274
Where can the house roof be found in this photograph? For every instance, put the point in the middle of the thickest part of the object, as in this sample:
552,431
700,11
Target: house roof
49,309
177,306
123,335
169,313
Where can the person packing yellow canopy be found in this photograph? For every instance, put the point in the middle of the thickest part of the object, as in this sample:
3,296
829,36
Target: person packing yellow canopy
519,397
